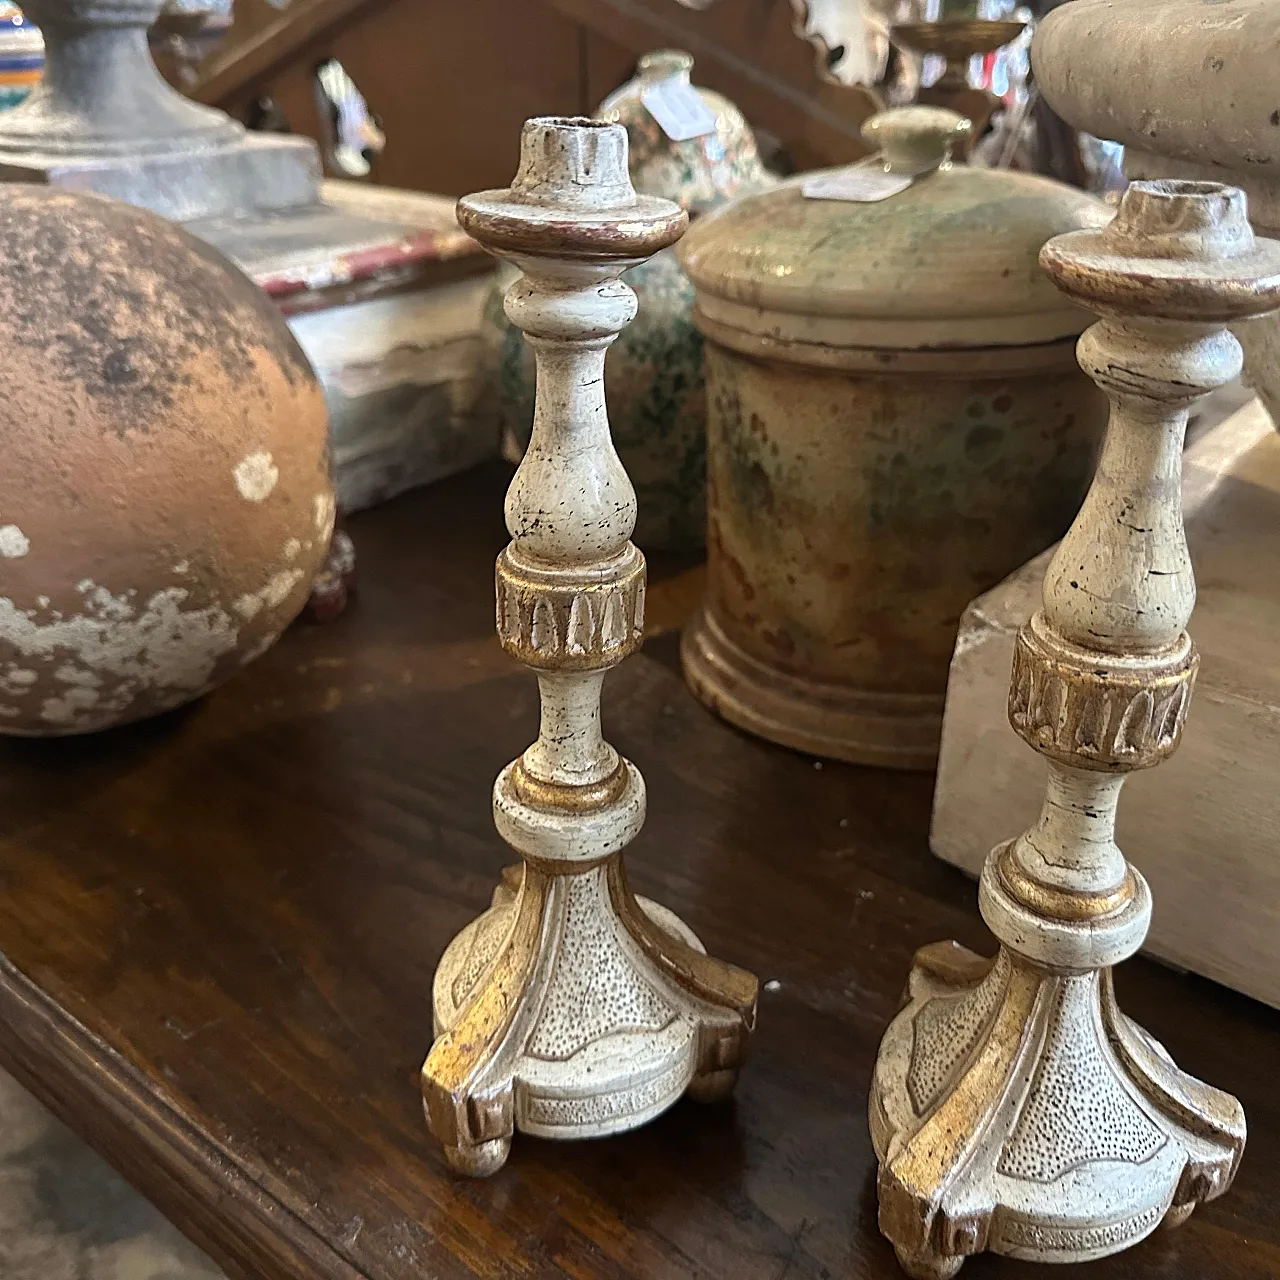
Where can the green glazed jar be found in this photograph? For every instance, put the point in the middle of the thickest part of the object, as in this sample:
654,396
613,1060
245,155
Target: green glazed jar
653,373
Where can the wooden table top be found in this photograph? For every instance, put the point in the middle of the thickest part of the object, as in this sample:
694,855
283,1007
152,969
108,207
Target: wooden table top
219,930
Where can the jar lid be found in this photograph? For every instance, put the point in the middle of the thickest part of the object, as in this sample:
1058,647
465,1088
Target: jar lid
699,173
950,261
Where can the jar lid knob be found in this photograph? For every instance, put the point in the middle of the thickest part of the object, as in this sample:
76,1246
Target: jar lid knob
661,63
916,139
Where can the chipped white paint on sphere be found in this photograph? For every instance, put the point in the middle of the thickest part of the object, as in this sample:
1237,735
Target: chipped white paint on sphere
13,542
249,605
325,509
176,536
256,476
114,643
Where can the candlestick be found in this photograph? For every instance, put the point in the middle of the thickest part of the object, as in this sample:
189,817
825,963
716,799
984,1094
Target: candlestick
571,1008
1014,1107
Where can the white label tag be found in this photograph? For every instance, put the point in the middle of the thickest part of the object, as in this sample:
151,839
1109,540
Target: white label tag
679,110
863,185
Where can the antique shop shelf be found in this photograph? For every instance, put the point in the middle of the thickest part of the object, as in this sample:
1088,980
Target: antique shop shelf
219,931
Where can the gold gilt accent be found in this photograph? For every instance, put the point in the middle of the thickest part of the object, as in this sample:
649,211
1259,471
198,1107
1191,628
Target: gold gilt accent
1212,1115
564,621
1061,904
912,1182
1095,711
992,1106
462,1117
722,1048
570,1009
1023,1113
568,797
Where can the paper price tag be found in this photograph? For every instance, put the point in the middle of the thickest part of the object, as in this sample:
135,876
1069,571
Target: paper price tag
679,111
865,186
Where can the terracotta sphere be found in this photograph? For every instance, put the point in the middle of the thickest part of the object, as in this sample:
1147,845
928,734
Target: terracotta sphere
165,498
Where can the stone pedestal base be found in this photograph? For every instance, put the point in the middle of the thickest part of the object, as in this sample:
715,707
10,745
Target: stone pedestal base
255,174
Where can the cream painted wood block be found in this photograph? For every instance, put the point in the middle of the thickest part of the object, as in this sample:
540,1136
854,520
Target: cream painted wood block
401,375
1014,1107
571,1009
1218,915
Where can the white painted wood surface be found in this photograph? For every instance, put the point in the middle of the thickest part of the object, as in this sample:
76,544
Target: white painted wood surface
1014,1107
1204,828
570,1009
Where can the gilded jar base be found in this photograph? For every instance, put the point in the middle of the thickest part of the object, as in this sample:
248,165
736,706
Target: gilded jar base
889,730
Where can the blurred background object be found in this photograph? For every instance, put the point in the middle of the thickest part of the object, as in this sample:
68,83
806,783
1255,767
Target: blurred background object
21,56
186,31
798,71
65,1213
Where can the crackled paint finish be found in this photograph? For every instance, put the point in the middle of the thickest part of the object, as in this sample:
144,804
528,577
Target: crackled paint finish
1014,1108
656,388
564,1011
854,516
656,394
165,497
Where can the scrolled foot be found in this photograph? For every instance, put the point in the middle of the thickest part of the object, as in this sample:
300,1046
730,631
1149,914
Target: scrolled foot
1177,1215
927,1266
713,1086
481,1161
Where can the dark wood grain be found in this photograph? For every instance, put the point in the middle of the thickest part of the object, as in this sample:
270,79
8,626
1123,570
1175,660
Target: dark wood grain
220,930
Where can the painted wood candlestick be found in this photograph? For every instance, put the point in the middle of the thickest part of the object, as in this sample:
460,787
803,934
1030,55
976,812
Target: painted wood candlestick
1014,1107
571,1009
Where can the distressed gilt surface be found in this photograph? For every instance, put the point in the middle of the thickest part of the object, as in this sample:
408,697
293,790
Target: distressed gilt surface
571,1009
1015,1108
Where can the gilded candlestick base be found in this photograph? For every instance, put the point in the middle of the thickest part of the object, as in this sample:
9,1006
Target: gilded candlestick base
573,1009
1017,1110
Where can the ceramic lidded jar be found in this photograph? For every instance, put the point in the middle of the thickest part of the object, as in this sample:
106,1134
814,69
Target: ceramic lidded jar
654,371
165,499
896,421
